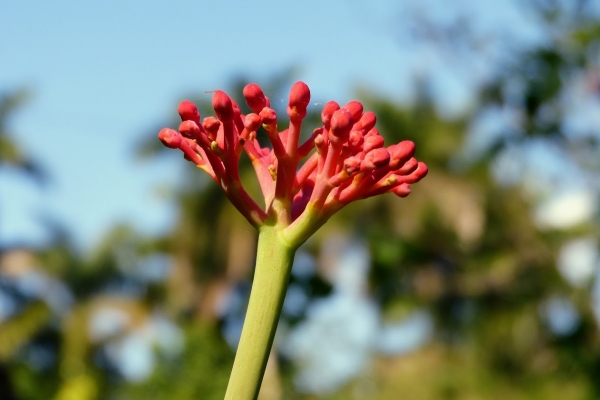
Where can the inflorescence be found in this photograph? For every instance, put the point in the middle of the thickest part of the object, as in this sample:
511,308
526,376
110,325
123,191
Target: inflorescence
349,163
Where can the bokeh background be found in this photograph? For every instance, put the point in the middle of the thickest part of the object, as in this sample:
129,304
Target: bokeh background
124,272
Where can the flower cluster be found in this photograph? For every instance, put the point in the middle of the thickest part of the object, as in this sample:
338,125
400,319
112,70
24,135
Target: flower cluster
349,160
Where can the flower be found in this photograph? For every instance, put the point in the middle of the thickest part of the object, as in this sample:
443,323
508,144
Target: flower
349,161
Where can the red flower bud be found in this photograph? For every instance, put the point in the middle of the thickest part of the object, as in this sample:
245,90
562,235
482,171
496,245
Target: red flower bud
211,125
367,121
402,190
401,153
341,123
222,105
252,122
408,168
268,116
190,130
355,141
328,110
355,108
372,142
255,98
418,174
372,132
170,138
375,159
188,111
299,100
319,142
352,165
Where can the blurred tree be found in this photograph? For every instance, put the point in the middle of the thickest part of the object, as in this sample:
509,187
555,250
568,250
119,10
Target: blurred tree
465,248
10,152
466,244
18,330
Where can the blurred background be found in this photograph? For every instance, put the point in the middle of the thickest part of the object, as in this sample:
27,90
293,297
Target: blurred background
124,272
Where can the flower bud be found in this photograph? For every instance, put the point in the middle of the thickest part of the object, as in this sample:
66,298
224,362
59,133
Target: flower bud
372,132
268,116
375,159
372,142
418,174
355,141
188,111
252,122
366,122
352,165
255,98
402,190
170,138
409,167
401,153
355,108
190,130
299,100
222,105
211,125
341,124
328,110
319,143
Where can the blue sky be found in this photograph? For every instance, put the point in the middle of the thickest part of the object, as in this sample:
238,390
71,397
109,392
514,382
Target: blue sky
102,73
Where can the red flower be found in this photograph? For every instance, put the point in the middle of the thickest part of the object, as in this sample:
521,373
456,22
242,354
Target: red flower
350,161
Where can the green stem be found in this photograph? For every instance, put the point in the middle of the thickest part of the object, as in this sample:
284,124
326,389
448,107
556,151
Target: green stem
306,224
273,265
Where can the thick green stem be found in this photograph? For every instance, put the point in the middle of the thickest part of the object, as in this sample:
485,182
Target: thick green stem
273,265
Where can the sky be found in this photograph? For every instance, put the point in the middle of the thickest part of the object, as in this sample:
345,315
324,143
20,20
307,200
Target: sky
102,74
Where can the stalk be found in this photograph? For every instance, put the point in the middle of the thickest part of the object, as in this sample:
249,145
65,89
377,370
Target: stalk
289,219
273,266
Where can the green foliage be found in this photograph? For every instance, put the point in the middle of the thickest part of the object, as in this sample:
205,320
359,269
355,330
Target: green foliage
20,329
10,152
201,373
